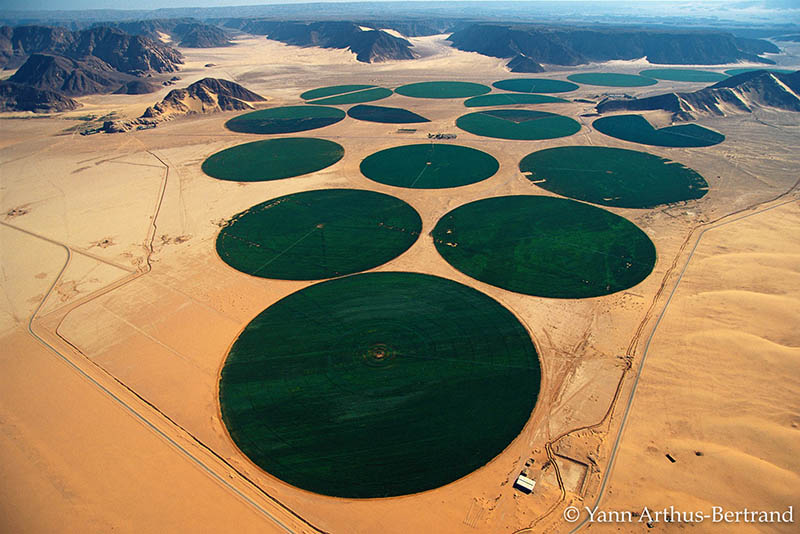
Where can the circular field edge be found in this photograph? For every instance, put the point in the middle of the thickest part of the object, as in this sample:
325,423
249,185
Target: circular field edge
325,116
574,126
417,90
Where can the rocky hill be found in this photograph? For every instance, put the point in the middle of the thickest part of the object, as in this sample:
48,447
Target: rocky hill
738,94
369,45
133,54
71,77
522,63
208,95
576,46
18,97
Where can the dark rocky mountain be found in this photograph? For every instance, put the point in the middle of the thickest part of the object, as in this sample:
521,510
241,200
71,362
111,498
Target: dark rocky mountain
71,77
133,54
522,63
575,46
208,95
137,87
368,45
737,94
183,31
18,97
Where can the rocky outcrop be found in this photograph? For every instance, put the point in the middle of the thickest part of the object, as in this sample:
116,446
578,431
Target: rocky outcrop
17,97
738,94
576,46
137,87
522,63
208,95
69,76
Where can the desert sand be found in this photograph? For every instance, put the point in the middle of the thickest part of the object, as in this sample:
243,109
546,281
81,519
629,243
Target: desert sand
117,315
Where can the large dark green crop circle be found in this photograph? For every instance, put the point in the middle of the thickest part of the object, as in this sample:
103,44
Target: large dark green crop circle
318,234
379,384
613,176
429,166
286,119
273,159
521,124
545,246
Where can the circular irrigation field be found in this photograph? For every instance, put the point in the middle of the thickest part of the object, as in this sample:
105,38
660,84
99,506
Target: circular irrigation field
272,159
509,99
385,115
535,85
612,176
684,75
518,124
286,119
637,129
611,79
545,246
429,166
345,94
379,384
735,72
442,89
318,234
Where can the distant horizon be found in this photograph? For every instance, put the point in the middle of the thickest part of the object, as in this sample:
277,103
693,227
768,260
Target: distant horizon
153,5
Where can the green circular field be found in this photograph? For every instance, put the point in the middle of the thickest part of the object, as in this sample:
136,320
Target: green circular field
684,75
285,119
318,234
429,166
612,176
379,384
635,128
545,246
535,85
509,99
272,159
384,115
611,79
734,72
518,124
442,89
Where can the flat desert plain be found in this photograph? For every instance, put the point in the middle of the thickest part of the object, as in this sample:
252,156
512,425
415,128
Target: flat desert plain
117,315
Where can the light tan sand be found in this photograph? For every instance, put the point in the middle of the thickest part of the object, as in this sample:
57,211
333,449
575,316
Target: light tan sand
146,307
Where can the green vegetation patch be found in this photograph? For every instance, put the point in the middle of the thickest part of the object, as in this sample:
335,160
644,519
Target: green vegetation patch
332,90
429,166
272,159
545,246
509,99
683,75
442,89
367,95
535,85
518,124
318,234
379,384
635,128
611,79
385,115
734,72
613,176
286,119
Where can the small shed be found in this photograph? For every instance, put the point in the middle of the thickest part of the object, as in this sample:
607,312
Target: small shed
524,484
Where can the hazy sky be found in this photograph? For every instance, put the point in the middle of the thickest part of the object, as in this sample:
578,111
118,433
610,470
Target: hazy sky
155,4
